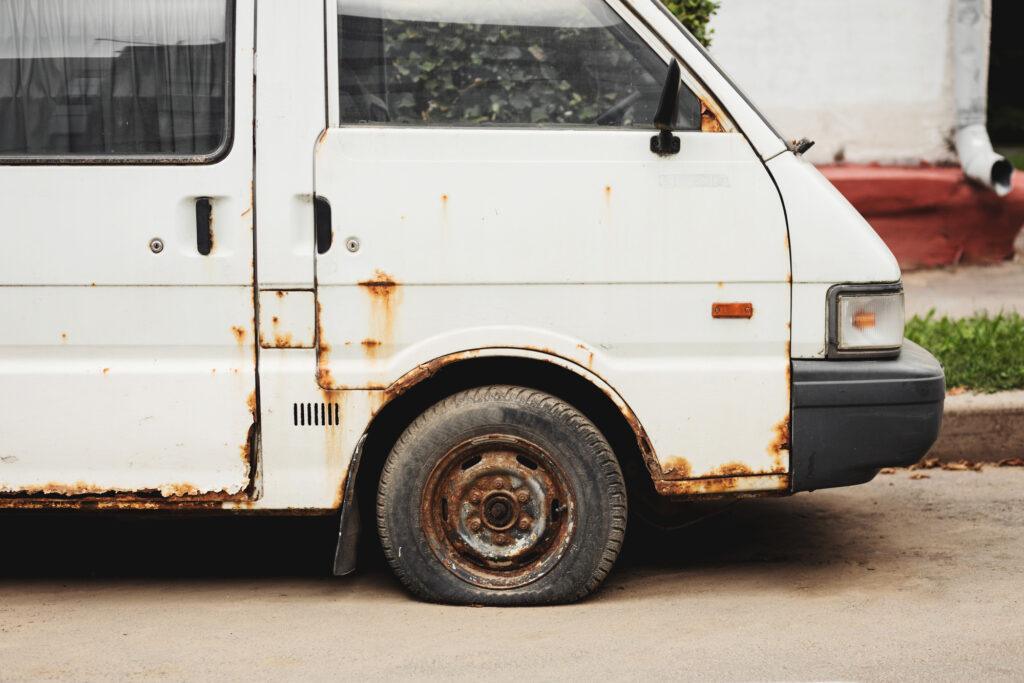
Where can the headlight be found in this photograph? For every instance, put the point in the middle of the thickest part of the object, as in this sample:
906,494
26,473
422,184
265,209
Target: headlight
865,320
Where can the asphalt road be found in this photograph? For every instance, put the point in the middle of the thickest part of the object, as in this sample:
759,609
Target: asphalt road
900,579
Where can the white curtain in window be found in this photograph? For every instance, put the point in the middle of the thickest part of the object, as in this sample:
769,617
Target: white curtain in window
112,77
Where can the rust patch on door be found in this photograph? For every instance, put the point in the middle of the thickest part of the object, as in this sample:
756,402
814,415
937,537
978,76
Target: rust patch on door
778,449
239,333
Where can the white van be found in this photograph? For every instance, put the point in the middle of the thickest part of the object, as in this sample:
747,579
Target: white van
485,262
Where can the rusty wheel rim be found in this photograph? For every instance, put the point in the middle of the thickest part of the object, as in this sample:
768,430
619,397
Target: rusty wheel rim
498,511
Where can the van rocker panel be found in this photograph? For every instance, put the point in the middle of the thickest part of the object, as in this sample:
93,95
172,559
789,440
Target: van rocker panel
852,418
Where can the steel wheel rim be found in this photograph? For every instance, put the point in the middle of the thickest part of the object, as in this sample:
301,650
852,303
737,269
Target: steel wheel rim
498,511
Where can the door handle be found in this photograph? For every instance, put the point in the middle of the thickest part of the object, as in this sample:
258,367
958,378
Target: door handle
322,221
204,226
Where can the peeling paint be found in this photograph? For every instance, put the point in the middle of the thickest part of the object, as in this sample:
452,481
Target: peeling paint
769,484
186,491
710,121
676,468
779,447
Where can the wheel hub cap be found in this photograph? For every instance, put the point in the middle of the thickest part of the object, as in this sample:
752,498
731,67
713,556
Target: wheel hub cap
498,512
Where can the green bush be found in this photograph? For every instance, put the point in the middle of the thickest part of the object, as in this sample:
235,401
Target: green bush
983,353
695,15
476,73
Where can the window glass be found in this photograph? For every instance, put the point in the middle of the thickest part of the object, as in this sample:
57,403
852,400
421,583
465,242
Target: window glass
113,77
478,62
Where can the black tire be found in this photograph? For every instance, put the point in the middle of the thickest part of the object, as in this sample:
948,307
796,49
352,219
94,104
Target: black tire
501,495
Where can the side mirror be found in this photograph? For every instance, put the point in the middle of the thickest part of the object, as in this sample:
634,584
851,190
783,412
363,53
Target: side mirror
665,118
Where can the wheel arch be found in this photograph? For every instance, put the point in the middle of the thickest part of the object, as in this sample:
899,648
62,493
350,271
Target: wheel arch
430,382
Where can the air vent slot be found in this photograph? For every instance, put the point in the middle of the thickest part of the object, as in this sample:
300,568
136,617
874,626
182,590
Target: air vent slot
316,414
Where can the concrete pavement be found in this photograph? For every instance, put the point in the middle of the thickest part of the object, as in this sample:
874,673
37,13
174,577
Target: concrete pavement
899,579
960,292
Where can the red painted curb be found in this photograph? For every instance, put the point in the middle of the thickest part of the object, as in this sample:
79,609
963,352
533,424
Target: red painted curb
933,216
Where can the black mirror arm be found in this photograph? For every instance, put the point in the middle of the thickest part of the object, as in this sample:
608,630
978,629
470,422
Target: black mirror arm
664,143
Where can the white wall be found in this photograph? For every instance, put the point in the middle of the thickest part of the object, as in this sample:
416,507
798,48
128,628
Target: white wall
868,80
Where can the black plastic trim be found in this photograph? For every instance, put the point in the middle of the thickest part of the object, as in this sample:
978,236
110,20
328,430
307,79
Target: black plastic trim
832,311
852,418
349,523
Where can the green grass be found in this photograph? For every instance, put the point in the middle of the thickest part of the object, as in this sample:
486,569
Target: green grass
983,353
1017,160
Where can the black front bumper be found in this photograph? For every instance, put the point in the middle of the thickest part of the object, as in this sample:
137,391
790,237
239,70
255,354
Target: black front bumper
852,418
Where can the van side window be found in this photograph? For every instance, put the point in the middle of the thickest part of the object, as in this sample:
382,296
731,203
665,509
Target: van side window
524,62
114,78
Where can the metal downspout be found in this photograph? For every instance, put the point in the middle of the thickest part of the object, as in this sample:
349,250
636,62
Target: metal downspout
970,59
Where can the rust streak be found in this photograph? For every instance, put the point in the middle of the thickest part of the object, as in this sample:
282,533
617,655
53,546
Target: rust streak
385,296
590,355
282,341
323,354
106,370
239,333
280,294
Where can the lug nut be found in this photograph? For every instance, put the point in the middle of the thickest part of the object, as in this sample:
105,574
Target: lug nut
474,497
474,524
499,483
522,496
524,523
501,539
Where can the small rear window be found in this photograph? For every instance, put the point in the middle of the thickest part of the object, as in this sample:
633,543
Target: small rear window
114,78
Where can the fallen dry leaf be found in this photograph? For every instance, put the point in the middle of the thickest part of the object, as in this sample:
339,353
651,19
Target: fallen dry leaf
887,470
962,466
919,475
1012,462
956,391
929,464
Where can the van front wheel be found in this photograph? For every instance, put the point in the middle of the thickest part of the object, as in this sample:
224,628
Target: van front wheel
501,495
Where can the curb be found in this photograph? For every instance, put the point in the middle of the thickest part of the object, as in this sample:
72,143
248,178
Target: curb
981,428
